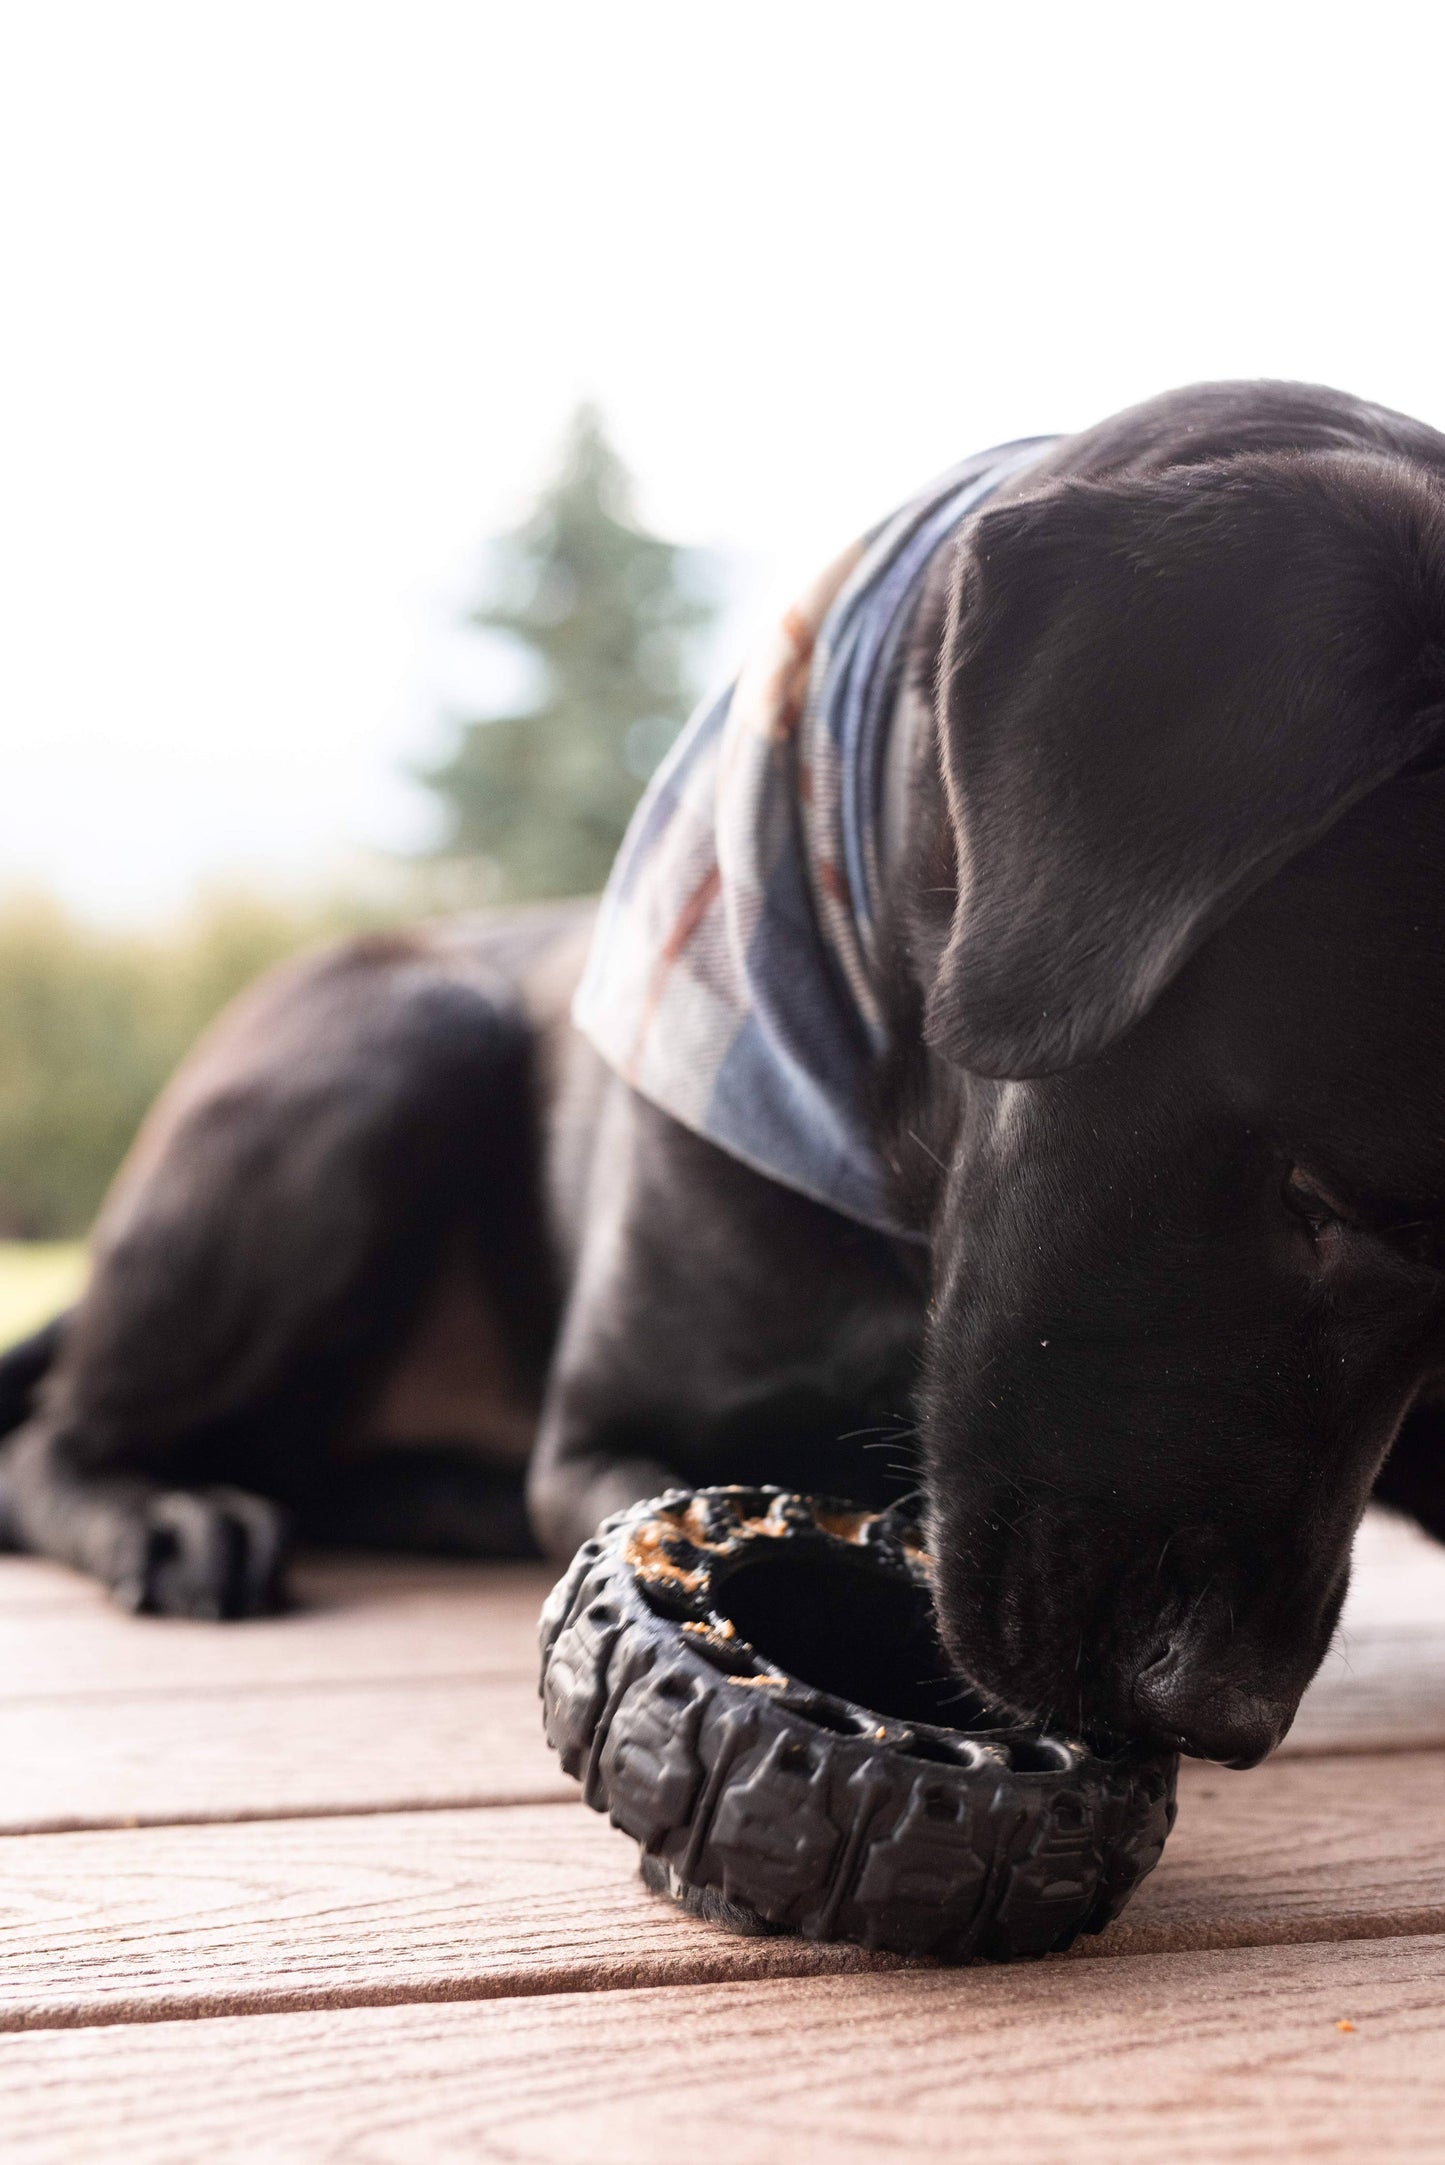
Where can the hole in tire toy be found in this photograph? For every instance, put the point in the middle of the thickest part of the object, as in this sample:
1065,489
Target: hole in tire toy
750,1684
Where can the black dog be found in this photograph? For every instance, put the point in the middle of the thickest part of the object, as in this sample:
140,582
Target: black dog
1164,1090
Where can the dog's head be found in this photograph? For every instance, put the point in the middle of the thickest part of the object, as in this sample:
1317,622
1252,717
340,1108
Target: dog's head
1185,939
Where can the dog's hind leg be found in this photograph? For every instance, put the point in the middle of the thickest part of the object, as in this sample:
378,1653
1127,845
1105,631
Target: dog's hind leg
262,1260
23,1368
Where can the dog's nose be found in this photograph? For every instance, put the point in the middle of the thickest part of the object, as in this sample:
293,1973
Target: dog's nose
1208,1717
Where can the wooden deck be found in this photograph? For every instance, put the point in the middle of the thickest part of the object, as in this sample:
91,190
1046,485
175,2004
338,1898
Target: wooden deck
313,1889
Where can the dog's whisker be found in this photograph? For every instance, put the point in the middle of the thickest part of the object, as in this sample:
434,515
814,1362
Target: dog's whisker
914,1137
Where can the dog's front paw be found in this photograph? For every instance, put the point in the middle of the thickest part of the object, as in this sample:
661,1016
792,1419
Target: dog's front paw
213,1553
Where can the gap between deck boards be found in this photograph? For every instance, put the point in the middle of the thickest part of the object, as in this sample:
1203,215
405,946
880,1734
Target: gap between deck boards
774,1960
1218,2056
266,1744
515,1902
143,1823
563,1793
793,1958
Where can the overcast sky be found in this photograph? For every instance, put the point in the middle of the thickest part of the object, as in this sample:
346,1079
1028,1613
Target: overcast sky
297,296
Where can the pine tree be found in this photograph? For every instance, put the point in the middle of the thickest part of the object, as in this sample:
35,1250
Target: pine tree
611,615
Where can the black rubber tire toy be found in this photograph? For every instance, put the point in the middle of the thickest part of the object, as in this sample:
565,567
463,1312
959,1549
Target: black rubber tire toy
749,1683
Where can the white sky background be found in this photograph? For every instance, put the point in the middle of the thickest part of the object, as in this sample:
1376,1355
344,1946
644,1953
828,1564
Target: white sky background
298,295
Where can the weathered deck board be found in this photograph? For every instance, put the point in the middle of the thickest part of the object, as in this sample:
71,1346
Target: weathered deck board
36,1582
157,1758
273,1752
1295,1850
402,1697
374,1620
136,1926
108,1927
1377,1691
1234,2056
412,1685
358,1623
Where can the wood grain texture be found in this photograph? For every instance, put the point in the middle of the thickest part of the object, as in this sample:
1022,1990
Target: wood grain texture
412,1684
1376,1691
140,1926
1296,1850
403,1697
314,1572
357,1622
137,1926
374,1619
160,1758
155,1758
1202,2057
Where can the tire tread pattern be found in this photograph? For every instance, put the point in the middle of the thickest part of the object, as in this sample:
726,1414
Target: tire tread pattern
770,1807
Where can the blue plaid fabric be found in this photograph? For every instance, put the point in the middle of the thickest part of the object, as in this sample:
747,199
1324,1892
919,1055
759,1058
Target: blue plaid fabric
733,974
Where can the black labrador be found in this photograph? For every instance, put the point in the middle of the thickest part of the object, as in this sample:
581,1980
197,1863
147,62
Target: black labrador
1165,1092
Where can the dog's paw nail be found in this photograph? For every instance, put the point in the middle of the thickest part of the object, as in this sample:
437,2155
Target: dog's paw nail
209,1554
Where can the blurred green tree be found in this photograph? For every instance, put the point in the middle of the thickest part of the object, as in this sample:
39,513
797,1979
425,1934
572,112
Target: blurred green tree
93,1021
611,617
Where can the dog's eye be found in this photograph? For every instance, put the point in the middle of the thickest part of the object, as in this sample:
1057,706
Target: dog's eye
1308,1200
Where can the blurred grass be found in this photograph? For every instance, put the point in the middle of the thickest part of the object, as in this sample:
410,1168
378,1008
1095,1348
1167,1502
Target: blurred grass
92,1022
37,1279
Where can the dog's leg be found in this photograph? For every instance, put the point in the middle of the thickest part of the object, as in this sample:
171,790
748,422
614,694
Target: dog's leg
207,1552
719,1328
259,1266
23,1368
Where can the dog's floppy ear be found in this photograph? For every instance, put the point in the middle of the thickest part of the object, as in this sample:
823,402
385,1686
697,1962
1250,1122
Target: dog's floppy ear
1153,692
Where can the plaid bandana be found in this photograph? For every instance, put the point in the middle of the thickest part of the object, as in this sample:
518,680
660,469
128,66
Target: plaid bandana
733,973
